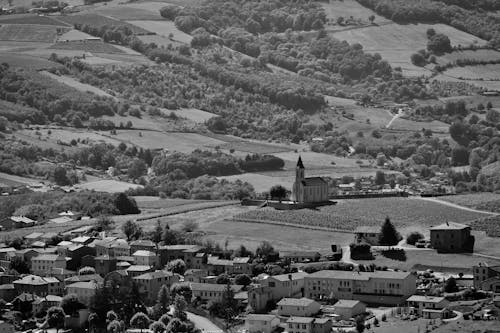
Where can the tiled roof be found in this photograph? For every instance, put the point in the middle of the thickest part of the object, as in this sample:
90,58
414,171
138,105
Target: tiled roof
313,181
450,226
361,276
261,317
153,275
300,320
36,280
213,287
288,277
427,299
346,303
84,285
144,253
48,257
296,301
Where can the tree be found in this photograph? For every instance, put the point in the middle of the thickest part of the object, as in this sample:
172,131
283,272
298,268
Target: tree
223,279
439,44
229,305
278,191
266,252
360,324
131,230
176,266
157,234
70,304
111,315
165,319
414,237
493,116
60,176
182,289
158,327
243,280
114,326
380,178
55,317
371,18
87,270
460,156
169,236
242,251
418,59
140,320
126,205
137,168
388,234
450,285
19,265
163,298
180,306
104,223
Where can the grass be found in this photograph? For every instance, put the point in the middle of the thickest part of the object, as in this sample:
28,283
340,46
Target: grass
150,203
107,185
405,213
481,54
31,19
195,115
488,85
482,201
348,8
29,33
396,43
27,61
159,40
87,46
163,28
99,21
478,72
128,13
77,85
255,147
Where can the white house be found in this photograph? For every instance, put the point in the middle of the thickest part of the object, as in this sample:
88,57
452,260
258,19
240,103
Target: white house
347,308
301,307
261,323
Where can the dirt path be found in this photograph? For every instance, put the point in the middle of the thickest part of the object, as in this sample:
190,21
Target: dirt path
456,206
396,116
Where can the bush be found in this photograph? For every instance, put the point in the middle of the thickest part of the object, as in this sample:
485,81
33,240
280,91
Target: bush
361,251
414,237
395,254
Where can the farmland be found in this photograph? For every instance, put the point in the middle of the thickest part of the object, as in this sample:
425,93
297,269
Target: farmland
77,85
478,72
396,43
86,46
31,19
195,115
125,13
29,33
163,28
107,185
26,61
482,201
348,8
479,55
99,21
407,213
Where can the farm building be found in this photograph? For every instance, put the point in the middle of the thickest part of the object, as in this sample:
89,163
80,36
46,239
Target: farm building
366,234
452,237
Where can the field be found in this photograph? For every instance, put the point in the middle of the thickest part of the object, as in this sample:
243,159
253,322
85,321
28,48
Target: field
488,85
28,33
73,35
480,201
99,21
195,115
31,19
480,55
87,46
348,8
26,61
159,40
396,43
405,213
128,13
479,72
77,85
254,147
12,180
163,28
108,185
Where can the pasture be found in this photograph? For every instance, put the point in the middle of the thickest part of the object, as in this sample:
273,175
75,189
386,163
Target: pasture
396,43
478,72
30,33
99,21
163,28
32,19
107,185
26,61
83,87
126,13
481,201
347,8
255,147
479,55
86,46
195,115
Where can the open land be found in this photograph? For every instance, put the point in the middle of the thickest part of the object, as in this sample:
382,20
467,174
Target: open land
163,28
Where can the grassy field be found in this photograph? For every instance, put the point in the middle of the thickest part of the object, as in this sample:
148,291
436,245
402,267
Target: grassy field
99,21
31,19
489,85
87,46
107,185
255,147
162,28
195,115
482,201
27,61
484,72
396,43
159,40
125,13
77,85
29,33
481,54
406,213
72,35
348,8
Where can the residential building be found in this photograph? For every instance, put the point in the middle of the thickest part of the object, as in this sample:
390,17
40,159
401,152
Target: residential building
142,244
452,237
60,273
104,264
84,278
300,324
44,303
195,275
186,252
217,266
76,253
485,277
367,234
261,323
300,256
378,287
5,327
120,248
300,307
7,292
145,258
429,307
242,265
83,290
7,253
82,240
150,283
22,221
199,260
37,285
308,190
347,309
259,297
46,262
322,325
27,254
136,270
104,247
33,237
285,285
211,292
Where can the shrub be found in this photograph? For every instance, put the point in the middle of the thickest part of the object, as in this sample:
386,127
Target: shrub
361,251
414,237
395,254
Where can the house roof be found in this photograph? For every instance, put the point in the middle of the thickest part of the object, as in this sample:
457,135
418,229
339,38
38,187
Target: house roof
84,285
38,244
261,317
153,275
36,280
120,243
143,242
61,219
213,287
139,268
450,226
49,235
22,219
182,247
81,239
367,229
48,257
144,253
346,303
7,286
26,297
212,260
360,276
7,249
300,320
34,235
313,181
48,298
296,301
64,243
426,299
299,253
288,277
83,278
241,260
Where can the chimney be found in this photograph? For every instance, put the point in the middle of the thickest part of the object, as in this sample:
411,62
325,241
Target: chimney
447,223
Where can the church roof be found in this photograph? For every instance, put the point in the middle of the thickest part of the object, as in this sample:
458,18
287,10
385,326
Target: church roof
313,181
299,163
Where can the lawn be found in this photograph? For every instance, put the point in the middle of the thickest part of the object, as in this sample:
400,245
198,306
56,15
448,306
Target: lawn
163,28
31,19
406,214
348,8
87,46
396,43
487,201
30,33
83,87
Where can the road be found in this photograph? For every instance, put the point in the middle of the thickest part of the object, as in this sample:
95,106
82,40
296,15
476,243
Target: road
202,323
455,205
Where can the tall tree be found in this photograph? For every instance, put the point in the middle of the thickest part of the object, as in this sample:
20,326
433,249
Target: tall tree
140,321
131,230
180,306
278,191
388,234
55,317
163,298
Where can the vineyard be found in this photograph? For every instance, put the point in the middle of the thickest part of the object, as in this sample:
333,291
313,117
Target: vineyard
349,214
486,201
490,225
87,46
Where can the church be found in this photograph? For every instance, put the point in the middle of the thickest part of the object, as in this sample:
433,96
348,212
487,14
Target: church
308,190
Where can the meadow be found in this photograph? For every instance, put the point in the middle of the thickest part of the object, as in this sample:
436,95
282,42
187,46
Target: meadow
29,33
31,19
77,85
480,201
477,72
86,46
125,13
26,61
348,8
396,43
195,115
163,28
479,55
99,21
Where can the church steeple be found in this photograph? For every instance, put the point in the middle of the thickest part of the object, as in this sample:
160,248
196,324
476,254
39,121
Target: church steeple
299,170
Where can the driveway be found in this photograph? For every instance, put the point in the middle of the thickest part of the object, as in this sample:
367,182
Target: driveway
202,323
